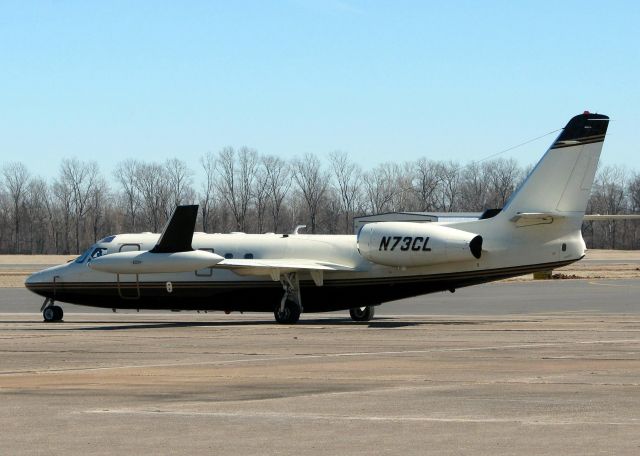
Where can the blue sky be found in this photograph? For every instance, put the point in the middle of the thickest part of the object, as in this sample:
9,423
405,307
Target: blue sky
382,80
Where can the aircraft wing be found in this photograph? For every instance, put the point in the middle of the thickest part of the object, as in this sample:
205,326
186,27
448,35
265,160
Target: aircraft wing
277,266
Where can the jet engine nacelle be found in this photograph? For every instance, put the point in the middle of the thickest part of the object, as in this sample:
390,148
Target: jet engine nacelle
416,244
145,262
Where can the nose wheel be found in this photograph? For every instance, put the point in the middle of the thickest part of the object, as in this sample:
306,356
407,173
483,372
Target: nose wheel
51,312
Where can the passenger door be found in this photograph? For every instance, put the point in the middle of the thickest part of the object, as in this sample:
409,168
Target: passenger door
128,284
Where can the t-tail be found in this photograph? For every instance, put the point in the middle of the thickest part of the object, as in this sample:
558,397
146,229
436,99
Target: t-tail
560,185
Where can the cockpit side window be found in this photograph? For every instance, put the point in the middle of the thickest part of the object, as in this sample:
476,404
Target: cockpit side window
84,256
98,252
92,252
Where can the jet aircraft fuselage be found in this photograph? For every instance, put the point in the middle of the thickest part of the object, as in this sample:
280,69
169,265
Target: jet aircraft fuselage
539,228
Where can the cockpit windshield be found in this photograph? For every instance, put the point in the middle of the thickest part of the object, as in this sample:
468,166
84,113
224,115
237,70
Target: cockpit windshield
92,252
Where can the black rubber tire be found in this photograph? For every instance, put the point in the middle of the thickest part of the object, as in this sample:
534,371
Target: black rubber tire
291,313
49,314
365,313
58,312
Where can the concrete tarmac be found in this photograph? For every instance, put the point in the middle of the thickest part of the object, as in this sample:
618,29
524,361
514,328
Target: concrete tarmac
502,298
508,368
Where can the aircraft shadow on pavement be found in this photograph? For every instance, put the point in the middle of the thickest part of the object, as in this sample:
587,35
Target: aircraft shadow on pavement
379,323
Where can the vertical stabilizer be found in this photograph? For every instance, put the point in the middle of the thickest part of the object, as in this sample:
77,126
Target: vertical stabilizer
561,181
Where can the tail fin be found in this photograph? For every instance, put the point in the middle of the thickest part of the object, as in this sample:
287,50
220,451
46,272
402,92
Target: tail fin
561,181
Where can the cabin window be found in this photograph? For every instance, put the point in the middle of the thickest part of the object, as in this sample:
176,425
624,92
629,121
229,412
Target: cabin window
248,256
228,256
564,247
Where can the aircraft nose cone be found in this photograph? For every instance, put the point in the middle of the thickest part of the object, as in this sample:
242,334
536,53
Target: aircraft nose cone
33,279
42,282
38,281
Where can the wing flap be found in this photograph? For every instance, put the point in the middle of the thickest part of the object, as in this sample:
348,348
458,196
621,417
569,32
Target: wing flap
283,263
276,266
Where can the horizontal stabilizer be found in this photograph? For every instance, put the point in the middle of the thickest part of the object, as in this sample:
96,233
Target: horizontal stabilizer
178,232
535,216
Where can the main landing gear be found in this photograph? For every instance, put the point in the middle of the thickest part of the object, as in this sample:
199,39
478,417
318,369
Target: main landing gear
51,312
365,313
290,308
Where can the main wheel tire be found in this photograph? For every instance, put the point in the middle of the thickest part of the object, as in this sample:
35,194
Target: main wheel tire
59,313
365,313
290,314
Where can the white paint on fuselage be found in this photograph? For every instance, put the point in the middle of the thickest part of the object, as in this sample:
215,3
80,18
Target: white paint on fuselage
504,246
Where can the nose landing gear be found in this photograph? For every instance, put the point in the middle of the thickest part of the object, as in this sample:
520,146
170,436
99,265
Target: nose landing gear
51,312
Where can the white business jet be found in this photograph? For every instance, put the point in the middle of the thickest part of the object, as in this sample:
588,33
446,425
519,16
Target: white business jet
539,228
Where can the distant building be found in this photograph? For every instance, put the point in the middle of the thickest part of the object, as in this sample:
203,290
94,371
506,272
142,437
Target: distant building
419,217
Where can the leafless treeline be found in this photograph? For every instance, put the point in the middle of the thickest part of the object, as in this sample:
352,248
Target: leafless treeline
241,190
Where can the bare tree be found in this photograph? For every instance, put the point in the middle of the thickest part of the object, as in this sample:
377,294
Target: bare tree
16,179
403,177
474,187
207,198
426,182
260,194
247,165
126,174
348,178
503,176
81,178
634,205
278,184
179,180
97,206
38,195
634,192
331,212
237,175
609,192
312,181
450,183
5,211
152,183
63,194
380,187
